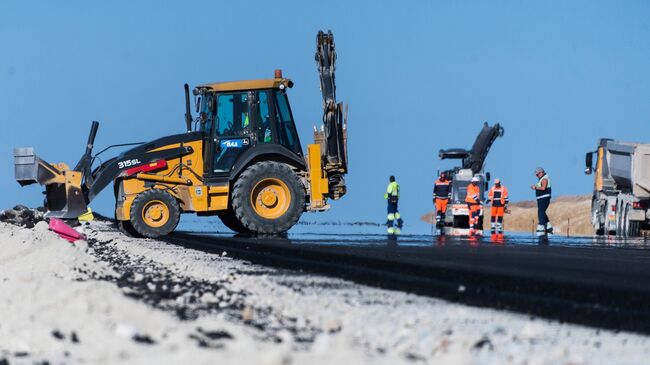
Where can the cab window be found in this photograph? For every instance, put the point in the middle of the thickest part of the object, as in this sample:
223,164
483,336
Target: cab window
287,135
207,113
232,114
262,112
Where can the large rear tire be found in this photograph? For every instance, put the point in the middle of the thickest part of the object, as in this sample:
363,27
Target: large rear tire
268,198
154,213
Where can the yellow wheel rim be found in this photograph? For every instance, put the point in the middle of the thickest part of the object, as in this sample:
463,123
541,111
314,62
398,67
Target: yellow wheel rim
155,213
270,198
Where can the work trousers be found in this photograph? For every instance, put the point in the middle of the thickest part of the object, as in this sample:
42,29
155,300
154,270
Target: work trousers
497,218
542,205
393,219
441,209
474,214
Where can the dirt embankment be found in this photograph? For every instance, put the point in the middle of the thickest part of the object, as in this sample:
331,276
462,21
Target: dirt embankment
568,214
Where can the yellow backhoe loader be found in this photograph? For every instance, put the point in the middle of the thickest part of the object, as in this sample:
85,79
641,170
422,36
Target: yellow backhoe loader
240,159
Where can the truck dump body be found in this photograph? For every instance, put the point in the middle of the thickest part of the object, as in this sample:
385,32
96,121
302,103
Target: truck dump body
629,166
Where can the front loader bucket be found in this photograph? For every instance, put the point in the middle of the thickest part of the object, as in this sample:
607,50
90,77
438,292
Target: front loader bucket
64,197
29,169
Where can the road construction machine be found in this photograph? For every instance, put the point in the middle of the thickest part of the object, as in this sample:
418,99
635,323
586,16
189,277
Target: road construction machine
240,159
620,203
472,164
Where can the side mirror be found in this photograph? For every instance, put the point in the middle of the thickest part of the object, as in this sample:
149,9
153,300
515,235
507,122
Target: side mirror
487,176
197,102
589,159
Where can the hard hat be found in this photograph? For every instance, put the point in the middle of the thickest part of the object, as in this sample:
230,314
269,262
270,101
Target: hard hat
539,170
497,181
475,179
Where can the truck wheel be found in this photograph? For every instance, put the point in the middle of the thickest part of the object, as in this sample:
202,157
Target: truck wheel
154,213
634,228
229,219
268,198
626,220
619,220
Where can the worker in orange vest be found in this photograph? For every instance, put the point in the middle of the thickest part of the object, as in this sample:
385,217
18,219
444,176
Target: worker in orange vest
441,196
473,200
498,196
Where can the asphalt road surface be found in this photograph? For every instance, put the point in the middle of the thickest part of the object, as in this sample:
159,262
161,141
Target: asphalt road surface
602,283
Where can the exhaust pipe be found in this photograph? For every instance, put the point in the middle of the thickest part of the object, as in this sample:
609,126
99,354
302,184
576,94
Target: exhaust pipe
188,113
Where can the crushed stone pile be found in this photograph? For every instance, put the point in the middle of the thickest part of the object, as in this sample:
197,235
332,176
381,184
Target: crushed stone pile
21,215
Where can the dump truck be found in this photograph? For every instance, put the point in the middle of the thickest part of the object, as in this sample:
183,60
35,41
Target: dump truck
472,163
621,198
240,159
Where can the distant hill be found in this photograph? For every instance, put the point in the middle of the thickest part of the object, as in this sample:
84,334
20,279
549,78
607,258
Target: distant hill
572,213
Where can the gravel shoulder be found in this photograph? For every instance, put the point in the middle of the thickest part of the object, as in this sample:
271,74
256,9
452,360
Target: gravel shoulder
115,299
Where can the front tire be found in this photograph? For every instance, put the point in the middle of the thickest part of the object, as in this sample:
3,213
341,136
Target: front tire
154,213
268,198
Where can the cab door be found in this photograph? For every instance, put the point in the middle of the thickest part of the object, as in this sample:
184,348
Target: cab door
233,131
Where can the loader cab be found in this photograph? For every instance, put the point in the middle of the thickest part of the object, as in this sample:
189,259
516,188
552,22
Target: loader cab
241,120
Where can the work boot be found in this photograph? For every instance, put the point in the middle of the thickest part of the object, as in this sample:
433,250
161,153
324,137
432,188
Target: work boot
549,228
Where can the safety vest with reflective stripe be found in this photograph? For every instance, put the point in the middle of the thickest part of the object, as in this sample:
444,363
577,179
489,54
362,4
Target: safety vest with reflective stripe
498,196
442,189
473,194
392,190
546,193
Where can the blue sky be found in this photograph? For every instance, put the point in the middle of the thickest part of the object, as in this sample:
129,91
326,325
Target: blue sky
419,76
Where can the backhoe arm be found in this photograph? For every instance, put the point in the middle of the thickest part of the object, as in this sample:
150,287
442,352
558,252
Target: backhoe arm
333,132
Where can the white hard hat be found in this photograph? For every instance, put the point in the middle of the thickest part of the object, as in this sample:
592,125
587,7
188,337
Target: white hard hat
475,179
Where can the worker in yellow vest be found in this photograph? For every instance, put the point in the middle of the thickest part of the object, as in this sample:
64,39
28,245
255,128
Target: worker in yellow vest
393,220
